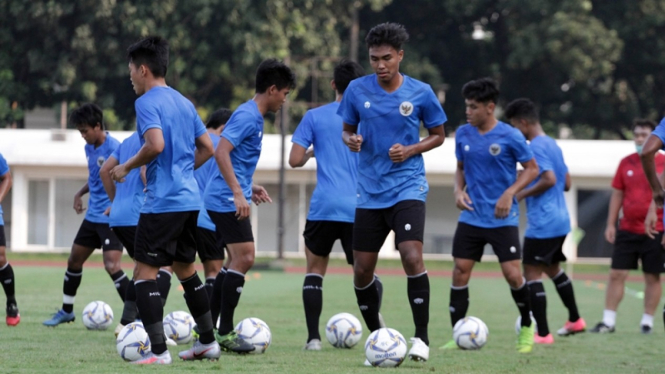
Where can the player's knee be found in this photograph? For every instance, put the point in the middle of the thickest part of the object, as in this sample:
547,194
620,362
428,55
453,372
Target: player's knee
650,279
618,275
111,266
3,258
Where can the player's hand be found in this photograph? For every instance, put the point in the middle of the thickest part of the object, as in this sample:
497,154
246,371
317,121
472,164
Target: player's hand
463,201
649,224
354,143
502,208
658,197
107,212
78,204
611,231
119,172
260,195
399,153
242,207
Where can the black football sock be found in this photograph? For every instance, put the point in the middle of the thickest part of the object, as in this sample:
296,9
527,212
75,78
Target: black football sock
459,303
129,311
521,297
231,291
379,289
564,286
7,280
216,297
539,306
121,281
199,306
312,298
164,284
210,285
368,302
71,284
418,292
149,303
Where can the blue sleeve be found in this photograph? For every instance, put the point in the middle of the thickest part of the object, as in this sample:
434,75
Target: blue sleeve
520,148
199,127
116,152
4,168
542,157
660,132
432,115
304,134
347,110
146,117
458,146
240,126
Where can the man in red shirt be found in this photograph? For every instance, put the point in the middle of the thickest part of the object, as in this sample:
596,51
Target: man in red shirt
631,193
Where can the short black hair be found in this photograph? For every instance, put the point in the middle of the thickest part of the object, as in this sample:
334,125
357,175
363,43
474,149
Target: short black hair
388,33
273,72
88,114
643,122
152,51
522,109
345,72
482,90
219,118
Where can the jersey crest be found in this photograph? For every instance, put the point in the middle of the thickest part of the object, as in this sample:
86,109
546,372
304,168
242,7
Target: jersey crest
406,108
100,161
495,149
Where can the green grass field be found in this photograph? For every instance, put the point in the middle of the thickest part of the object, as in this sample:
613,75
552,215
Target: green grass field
275,297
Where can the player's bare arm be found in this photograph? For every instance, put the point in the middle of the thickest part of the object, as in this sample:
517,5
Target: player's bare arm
204,150
613,214
299,155
400,153
505,202
649,150
105,176
351,138
6,182
569,182
223,159
260,195
462,199
153,146
78,203
547,180
652,214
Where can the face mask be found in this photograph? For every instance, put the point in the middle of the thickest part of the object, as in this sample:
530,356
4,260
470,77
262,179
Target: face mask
638,148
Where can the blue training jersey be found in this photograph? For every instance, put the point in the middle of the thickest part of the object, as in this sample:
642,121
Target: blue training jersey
547,213
99,200
171,184
334,198
244,131
129,195
490,167
202,175
4,169
386,119
659,131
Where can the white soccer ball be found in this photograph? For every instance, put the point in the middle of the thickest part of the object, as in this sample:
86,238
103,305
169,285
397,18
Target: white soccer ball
344,330
470,333
385,347
179,327
518,324
133,342
97,315
255,332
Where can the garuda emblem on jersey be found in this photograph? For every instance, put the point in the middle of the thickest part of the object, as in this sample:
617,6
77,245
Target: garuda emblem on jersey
405,108
495,149
100,161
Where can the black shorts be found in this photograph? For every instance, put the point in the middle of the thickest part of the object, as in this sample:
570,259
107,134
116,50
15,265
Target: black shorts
543,251
469,242
127,236
162,238
230,229
97,235
3,239
209,245
321,235
629,247
372,226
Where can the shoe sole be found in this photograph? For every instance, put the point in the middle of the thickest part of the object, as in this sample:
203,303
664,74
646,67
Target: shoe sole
62,323
573,333
417,358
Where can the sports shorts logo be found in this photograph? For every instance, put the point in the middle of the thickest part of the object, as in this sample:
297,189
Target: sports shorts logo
407,227
100,161
405,108
239,290
367,104
513,249
495,149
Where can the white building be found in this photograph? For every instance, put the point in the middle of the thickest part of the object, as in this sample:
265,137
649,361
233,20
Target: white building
49,166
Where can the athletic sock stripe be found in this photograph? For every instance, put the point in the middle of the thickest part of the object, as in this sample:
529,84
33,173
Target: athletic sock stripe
417,275
313,275
558,275
534,281
366,287
520,287
166,272
121,278
73,274
4,267
235,272
459,287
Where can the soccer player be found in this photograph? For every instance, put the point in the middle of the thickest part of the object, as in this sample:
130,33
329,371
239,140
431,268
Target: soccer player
328,219
548,222
6,271
173,143
487,153
126,202
632,195
382,113
230,189
94,231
